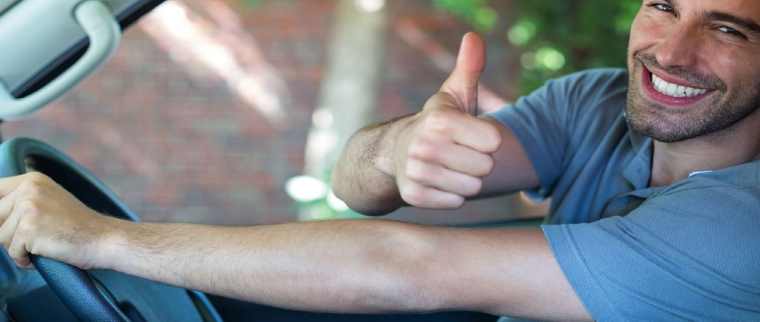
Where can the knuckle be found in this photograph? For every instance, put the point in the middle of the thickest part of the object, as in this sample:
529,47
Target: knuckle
439,121
25,227
22,261
28,225
34,249
486,167
37,177
474,188
457,203
492,138
16,255
450,202
439,100
32,189
412,173
413,195
424,150
416,171
29,207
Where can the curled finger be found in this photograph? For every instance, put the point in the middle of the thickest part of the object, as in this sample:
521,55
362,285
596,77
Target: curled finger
441,178
7,203
8,228
421,196
17,251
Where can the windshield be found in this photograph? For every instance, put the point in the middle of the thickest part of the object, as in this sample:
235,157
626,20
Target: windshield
232,112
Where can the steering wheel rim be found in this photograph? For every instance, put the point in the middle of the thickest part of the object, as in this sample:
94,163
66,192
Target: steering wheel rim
72,285
76,288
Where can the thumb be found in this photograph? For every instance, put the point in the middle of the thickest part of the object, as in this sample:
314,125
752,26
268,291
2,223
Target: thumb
462,84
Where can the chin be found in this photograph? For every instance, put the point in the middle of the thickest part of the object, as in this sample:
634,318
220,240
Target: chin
655,122
658,132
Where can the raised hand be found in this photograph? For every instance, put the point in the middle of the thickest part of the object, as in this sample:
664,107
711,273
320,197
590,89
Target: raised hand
442,155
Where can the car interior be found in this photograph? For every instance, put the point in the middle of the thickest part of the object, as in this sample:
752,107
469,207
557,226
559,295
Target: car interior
48,47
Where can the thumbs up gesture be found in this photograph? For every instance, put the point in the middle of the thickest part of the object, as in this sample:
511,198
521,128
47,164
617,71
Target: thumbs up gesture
442,155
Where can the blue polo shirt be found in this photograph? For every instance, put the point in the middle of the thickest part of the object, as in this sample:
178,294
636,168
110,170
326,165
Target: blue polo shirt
688,251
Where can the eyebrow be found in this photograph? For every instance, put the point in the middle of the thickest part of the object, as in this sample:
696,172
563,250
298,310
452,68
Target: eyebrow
745,23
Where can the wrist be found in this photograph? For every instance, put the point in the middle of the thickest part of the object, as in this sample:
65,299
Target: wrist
388,145
111,243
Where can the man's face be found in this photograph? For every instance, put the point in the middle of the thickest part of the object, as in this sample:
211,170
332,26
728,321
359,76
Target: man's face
695,67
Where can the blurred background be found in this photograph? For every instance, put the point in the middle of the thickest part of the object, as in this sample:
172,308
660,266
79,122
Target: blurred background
233,111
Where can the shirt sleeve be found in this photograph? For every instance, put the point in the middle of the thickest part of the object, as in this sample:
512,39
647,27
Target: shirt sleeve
552,123
689,253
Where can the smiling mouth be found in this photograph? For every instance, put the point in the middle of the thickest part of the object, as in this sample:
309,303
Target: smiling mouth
670,93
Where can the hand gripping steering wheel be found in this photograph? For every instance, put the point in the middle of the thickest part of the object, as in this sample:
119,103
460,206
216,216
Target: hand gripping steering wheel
99,295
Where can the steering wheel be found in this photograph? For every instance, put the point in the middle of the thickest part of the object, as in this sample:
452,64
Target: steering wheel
99,295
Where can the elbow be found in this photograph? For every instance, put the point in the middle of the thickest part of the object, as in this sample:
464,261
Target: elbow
369,210
346,191
340,187
358,201
343,188
356,180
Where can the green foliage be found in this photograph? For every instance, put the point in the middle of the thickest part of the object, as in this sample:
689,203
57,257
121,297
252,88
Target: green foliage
558,37
476,12
587,33
252,3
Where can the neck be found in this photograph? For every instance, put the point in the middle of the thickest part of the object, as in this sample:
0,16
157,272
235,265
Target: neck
733,146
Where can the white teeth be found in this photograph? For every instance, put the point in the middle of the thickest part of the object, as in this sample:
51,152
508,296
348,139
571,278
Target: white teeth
675,90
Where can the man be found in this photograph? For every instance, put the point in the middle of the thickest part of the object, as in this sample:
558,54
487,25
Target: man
654,179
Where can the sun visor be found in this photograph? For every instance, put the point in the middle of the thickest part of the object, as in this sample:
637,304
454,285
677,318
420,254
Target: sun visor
51,46
5,4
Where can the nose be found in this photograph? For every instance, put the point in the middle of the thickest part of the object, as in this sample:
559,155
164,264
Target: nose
679,48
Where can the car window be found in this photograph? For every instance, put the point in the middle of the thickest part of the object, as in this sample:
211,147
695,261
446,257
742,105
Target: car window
223,112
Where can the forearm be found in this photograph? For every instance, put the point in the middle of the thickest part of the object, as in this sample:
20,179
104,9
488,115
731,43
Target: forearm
363,175
348,266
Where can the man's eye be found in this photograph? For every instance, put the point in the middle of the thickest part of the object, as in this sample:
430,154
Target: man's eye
731,31
662,7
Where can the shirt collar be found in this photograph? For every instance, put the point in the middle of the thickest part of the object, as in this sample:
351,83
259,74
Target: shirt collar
639,169
637,139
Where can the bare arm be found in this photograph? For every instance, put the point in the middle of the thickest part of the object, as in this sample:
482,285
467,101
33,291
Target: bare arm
359,180
363,176
513,171
356,267
343,266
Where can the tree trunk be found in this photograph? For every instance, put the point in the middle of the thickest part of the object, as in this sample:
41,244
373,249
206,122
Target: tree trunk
349,90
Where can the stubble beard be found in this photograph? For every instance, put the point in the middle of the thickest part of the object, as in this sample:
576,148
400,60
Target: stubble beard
671,125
